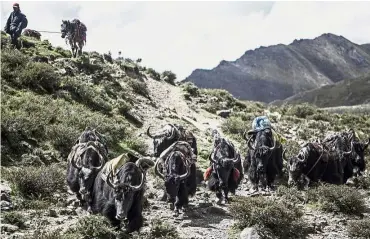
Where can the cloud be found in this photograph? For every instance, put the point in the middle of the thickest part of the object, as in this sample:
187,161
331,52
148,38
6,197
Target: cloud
183,36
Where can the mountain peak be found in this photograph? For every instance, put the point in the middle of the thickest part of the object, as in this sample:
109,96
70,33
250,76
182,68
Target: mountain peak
280,71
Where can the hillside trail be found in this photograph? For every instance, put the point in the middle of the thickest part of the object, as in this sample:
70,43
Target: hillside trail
169,106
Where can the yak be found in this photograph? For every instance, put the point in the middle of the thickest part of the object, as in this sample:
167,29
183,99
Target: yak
170,134
119,190
178,168
225,172
85,161
351,152
264,159
314,163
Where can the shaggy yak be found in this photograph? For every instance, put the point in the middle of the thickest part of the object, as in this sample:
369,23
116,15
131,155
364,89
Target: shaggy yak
85,160
264,159
312,164
225,172
176,166
119,189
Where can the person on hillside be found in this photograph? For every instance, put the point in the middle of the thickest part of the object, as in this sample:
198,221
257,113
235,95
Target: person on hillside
16,22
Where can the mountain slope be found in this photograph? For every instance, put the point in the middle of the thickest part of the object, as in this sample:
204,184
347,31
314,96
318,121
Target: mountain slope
343,93
280,71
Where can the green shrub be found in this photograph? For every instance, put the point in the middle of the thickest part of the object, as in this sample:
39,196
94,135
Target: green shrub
234,125
160,229
39,77
190,88
136,144
29,117
338,198
153,74
302,111
359,228
15,218
139,87
169,77
37,182
97,227
271,218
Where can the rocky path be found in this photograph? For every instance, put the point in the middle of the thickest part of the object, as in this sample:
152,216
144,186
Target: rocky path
168,105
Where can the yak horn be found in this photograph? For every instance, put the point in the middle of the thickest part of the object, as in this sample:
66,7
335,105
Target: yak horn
237,159
245,135
140,186
368,142
148,132
249,143
156,169
185,175
349,152
74,164
140,162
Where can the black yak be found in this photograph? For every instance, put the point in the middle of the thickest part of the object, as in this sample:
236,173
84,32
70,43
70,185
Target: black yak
119,189
264,159
170,134
85,161
314,163
177,167
225,172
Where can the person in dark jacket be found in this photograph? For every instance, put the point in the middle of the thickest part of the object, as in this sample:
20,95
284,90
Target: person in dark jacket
17,21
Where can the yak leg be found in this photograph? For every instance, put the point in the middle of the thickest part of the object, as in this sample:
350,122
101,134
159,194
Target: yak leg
219,196
226,195
135,218
182,197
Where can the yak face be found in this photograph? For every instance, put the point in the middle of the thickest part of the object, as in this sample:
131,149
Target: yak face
223,161
126,183
263,150
295,168
88,167
358,156
175,172
163,140
65,28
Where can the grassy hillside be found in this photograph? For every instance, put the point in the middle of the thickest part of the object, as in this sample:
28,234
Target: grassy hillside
48,99
345,93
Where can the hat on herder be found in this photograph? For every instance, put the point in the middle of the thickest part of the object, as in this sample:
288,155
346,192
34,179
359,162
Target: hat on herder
16,5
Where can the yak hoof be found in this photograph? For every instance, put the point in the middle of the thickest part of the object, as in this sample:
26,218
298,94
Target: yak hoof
176,213
172,207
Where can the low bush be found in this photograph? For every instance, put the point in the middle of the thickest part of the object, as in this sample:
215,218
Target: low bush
14,218
169,77
139,87
37,182
301,111
359,228
97,227
190,88
272,219
160,229
338,198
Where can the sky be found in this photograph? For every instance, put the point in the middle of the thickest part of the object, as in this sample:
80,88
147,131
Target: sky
184,36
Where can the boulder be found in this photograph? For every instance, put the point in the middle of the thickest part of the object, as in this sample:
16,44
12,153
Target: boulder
249,233
224,113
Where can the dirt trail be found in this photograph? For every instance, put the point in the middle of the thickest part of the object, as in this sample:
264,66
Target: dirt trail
168,106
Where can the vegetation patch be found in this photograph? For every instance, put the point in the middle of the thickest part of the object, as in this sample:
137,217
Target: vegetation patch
37,182
359,228
271,218
160,229
14,218
338,198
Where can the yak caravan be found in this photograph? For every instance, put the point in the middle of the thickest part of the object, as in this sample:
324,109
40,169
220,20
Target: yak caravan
99,147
